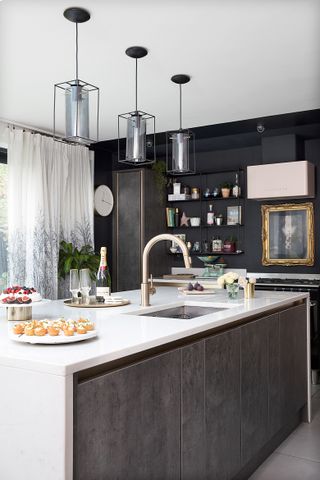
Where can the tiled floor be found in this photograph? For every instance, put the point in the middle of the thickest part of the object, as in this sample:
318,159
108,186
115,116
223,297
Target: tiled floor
298,457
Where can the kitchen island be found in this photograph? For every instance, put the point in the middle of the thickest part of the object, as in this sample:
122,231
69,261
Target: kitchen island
153,397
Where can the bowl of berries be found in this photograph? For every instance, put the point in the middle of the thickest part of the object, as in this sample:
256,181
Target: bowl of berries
17,295
19,301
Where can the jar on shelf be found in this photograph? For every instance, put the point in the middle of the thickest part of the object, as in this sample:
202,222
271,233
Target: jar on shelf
196,247
217,245
207,193
219,220
195,193
216,192
186,189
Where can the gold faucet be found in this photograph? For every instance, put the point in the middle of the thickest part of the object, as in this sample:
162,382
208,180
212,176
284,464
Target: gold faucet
146,288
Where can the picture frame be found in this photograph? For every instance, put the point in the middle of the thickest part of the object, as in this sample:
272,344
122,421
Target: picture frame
288,234
234,214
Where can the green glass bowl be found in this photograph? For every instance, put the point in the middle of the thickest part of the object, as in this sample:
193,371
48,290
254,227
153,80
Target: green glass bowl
209,259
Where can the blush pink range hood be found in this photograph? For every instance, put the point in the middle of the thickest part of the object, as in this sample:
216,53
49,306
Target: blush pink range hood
281,180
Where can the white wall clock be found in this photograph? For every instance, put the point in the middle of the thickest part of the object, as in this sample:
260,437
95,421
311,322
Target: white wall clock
103,201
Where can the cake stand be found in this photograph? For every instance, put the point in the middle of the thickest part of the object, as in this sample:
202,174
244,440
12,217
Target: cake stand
17,312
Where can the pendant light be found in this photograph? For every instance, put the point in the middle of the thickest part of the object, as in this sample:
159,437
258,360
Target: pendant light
81,99
180,144
134,126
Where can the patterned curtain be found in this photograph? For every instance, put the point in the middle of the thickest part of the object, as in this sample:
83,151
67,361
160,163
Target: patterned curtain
50,198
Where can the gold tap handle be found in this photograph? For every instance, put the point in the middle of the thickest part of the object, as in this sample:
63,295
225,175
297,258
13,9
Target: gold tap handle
152,289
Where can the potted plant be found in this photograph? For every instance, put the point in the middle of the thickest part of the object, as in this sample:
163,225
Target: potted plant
225,189
71,257
229,245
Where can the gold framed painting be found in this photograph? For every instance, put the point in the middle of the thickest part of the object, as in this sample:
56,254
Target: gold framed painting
288,234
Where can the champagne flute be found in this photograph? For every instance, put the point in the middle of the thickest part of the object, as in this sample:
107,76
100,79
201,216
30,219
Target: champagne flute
85,282
74,284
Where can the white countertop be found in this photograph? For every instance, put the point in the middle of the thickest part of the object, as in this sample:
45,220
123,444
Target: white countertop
120,333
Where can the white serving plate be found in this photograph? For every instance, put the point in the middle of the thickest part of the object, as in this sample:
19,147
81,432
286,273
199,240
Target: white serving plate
50,340
205,291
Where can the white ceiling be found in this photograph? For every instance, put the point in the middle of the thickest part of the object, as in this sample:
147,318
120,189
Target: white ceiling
247,58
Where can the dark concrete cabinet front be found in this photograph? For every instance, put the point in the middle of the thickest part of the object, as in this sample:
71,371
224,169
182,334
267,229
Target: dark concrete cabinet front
222,405
203,411
293,353
128,422
254,388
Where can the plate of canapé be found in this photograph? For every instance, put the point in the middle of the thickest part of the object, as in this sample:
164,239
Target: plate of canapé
53,331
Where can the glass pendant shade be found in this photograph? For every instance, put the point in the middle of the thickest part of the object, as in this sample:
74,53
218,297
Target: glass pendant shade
136,130
180,152
136,139
76,102
77,112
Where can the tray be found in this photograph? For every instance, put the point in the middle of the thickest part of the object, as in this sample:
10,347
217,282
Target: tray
205,291
179,276
69,303
49,340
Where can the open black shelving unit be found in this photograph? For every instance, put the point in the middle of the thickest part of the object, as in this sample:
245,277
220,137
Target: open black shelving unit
199,208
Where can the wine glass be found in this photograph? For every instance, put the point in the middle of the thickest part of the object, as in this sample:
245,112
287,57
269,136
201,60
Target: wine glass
74,284
85,282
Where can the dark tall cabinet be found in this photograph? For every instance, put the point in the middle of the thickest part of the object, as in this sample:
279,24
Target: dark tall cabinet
139,215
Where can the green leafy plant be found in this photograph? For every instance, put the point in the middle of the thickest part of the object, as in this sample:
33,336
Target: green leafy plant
231,239
159,168
226,185
71,257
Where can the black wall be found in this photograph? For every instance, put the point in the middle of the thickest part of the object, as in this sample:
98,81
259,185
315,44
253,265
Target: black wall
232,146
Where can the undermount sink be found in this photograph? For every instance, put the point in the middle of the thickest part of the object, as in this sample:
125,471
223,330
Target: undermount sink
184,312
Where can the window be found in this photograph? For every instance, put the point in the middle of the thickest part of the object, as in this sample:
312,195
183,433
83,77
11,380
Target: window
3,218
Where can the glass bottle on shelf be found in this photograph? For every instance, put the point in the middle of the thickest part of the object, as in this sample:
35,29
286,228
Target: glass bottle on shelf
236,191
210,215
177,218
205,247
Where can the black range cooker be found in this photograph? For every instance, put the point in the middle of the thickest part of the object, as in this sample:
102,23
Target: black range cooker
312,286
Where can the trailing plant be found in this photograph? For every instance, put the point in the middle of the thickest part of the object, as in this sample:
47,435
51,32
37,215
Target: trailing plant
159,168
71,257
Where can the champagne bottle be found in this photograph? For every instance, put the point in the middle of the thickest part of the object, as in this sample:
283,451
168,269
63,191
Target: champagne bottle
103,281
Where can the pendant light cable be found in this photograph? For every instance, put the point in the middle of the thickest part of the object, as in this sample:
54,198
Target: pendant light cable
77,51
180,88
136,84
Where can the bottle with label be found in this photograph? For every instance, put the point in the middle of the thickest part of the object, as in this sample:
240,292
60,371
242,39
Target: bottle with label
210,216
236,188
103,281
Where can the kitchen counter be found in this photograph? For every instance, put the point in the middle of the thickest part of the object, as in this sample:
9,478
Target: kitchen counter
120,333
37,381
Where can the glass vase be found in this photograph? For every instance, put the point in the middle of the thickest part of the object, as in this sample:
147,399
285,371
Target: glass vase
232,290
